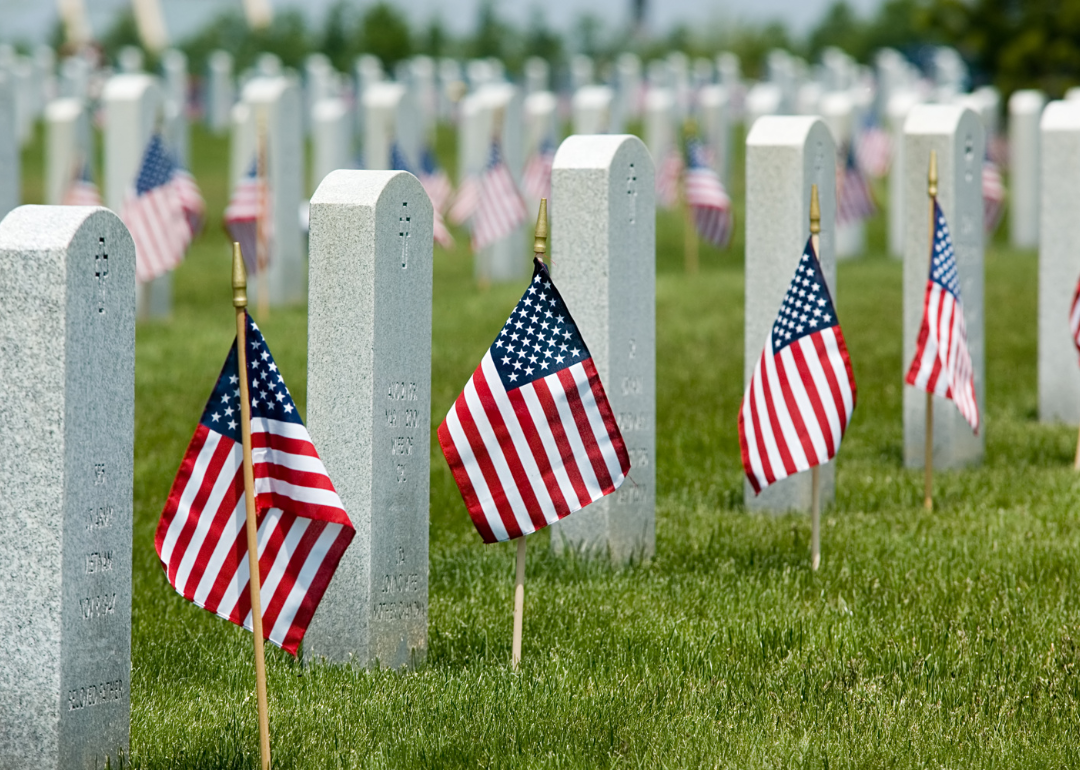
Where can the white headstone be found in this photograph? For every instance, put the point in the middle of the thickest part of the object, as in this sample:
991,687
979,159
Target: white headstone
220,91
956,134
268,65
133,105
603,248
386,112
897,111
785,156
714,107
10,152
762,99
537,75
74,78
541,121
505,260
838,111
67,146
628,89
67,370
592,107
660,135
319,82
130,60
1059,262
274,103
369,409
26,97
1025,110
331,139
451,88
45,65
582,71
175,87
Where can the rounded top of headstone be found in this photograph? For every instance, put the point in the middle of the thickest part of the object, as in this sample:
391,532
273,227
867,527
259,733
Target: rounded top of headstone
598,151
42,228
348,187
1061,116
593,96
541,102
1027,100
785,130
128,86
63,109
937,118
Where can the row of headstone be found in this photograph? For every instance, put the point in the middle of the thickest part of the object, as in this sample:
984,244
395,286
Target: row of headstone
70,382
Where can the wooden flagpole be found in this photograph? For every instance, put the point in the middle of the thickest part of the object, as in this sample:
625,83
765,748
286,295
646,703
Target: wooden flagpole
690,237
239,284
928,452
539,250
262,242
815,476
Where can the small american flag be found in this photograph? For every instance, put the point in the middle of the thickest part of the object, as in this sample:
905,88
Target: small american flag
667,179
465,201
499,206
706,197
854,200
303,529
440,232
993,192
1074,317
157,214
82,191
246,219
191,199
532,437
873,149
436,181
942,363
536,179
802,393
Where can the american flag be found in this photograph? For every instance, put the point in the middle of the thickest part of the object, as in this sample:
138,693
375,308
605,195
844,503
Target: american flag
667,179
440,231
802,393
247,219
854,200
82,191
536,179
435,180
302,527
499,206
706,197
158,213
532,437
1074,317
942,364
465,201
873,148
993,192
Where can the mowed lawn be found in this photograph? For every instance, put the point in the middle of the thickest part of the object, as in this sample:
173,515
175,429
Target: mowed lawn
944,639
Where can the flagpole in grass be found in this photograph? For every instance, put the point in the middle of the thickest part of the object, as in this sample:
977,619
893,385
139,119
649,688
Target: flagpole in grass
539,249
815,476
262,242
239,285
690,236
928,452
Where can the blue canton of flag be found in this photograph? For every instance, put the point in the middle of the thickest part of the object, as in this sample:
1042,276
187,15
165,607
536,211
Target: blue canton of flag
807,306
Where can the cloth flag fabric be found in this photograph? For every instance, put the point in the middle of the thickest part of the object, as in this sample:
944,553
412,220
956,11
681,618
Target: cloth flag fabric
536,179
942,363
532,437
159,213
436,181
706,197
440,232
667,179
873,150
1074,318
499,206
303,529
802,393
247,219
82,191
993,192
465,201
854,200
191,199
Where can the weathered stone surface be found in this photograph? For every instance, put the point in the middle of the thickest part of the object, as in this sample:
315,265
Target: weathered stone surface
603,247
369,408
67,371
1059,262
785,156
956,133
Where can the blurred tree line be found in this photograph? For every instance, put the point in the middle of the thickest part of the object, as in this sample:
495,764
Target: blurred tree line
1009,43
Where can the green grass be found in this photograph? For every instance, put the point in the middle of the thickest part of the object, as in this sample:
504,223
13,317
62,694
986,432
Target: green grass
944,639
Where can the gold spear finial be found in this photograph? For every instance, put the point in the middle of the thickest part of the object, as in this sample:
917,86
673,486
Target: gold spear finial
541,234
239,277
815,211
932,176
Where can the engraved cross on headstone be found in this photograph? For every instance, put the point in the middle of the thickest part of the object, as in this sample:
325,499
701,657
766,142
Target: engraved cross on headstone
631,190
101,272
403,231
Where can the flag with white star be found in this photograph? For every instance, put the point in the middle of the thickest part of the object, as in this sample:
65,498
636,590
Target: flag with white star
532,437
802,392
303,529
